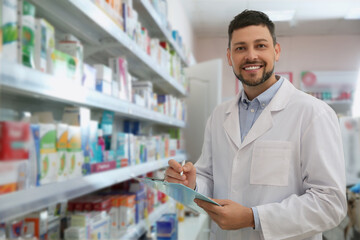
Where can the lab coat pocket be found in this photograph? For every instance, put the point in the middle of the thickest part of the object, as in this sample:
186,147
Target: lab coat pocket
270,163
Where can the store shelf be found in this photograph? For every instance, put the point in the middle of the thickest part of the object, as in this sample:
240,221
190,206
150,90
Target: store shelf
137,231
103,39
150,19
29,82
22,202
192,227
338,102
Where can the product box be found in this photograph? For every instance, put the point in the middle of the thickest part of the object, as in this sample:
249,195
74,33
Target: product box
34,155
122,149
15,228
103,166
166,227
26,20
53,232
10,30
127,212
100,227
74,151
14,141
62,65
44,43
94,154
75,233
72,46
36,224
61,147
114,216
120,75
1,35
89,77
48,155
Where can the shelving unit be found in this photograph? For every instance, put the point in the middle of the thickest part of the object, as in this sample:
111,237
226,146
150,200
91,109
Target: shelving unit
104,37
139,229
151,20
25,81
22,202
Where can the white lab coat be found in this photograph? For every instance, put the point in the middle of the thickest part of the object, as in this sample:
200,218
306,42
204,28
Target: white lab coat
290,166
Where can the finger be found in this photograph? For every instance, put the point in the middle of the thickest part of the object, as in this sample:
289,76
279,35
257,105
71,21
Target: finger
175,165
222,202
188,167
208,206
175,180
173,174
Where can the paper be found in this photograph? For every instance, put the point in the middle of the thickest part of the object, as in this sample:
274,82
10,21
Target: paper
179,192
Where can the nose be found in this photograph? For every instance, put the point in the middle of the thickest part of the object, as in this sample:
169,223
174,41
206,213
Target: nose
251,54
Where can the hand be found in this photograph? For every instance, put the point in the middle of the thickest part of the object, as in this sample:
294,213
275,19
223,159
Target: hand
230,215
172,173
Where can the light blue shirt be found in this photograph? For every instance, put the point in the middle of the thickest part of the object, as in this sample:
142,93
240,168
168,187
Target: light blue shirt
249,111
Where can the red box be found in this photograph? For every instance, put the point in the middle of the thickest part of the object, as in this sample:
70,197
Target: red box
103,166
14,141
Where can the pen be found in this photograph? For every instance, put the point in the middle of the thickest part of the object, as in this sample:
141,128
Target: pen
182,164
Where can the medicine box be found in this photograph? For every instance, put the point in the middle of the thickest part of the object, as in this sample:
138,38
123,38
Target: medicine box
61,147
10,30
44,42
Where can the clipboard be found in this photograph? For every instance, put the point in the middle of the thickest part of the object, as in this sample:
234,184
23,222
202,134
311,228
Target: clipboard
179,192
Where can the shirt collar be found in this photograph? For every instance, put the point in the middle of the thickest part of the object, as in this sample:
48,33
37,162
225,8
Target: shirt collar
264,98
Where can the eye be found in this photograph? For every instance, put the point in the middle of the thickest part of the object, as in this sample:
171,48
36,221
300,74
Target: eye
261,46
240,49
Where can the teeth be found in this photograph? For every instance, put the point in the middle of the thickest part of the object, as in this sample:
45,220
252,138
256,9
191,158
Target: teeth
252,68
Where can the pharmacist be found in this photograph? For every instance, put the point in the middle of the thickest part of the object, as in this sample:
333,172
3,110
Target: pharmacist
273,156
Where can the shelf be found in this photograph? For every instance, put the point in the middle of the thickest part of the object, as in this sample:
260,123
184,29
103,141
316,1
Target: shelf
137,231
29,82
103,39
151,20
192,227
338,102
19,203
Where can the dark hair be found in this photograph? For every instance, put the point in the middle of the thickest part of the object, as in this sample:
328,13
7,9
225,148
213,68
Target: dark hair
249,18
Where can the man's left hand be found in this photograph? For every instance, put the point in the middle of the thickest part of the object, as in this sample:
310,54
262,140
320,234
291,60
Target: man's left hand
230,215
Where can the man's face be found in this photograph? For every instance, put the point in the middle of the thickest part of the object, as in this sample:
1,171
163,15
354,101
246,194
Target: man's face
252,55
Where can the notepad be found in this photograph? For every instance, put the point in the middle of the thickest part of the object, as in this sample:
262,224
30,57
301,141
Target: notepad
179,192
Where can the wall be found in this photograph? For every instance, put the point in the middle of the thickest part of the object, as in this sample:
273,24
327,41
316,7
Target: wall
323,53
179,21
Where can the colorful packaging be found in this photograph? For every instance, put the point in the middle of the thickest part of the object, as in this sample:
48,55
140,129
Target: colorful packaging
61,147
34,155
14,141
89,77
10,33
120,75
127,212
36,224
48,154
122,149
44,42
74,151
26,16
103,166
166,227
61,65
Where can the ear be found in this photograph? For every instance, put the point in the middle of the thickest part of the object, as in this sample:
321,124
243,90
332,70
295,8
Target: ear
228,54
277,52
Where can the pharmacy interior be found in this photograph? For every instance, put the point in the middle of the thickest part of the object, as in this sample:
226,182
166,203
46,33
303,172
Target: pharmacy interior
97,93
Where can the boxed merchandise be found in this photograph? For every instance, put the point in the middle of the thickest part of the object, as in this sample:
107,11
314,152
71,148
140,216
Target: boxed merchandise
15,228
53,232
122,149
95,152
44,42
80,116
48,165
61,147
166,227
140,200
14,154
61,65
103,166
74,151
36,224
103,79
26,20
75,233
72,46
10,30
89,77
127,212
34,155
120,75
100,227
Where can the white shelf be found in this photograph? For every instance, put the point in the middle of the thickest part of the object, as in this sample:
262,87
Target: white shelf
191,227
137,231
19,203
29,82
338,102
104,38
151,20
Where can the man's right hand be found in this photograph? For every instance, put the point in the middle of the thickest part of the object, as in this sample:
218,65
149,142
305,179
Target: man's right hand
172,173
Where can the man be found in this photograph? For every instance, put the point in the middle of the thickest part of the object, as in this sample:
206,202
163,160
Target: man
273,156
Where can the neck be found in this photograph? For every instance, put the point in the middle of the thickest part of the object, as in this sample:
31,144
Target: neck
254,91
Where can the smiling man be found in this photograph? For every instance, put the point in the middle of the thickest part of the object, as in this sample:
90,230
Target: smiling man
272,157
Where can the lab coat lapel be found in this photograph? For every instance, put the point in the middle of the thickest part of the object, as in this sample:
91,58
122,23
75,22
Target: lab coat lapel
232,124
265,120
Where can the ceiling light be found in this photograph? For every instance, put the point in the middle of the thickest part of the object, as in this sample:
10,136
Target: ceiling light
353,13
280,16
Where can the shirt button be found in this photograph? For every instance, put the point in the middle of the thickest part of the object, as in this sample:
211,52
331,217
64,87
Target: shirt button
263,104
252,110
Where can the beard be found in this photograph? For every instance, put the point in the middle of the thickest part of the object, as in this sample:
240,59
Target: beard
262,79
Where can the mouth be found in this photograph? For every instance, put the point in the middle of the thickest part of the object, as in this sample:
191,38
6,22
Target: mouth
253,67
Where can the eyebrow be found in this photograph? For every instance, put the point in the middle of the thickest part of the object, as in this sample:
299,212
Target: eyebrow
256,41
